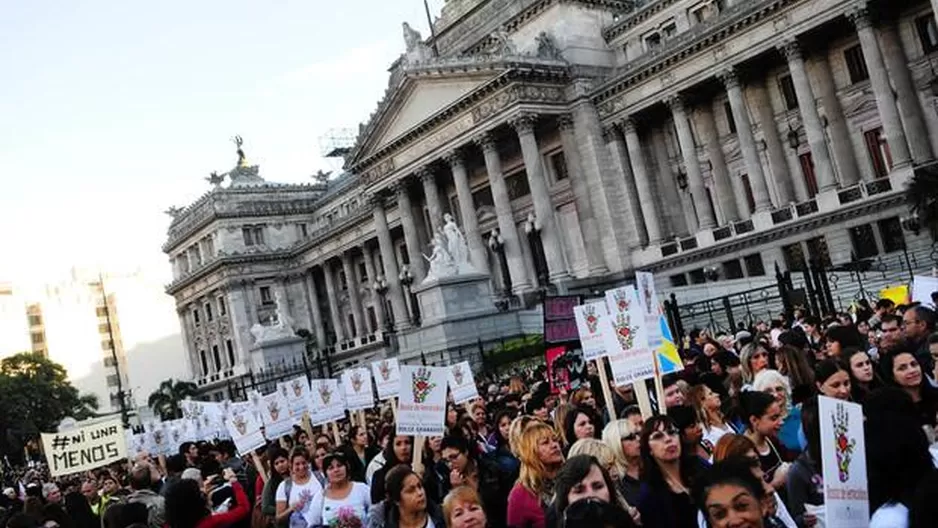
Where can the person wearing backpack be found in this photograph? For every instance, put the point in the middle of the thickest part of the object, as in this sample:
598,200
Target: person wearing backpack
294,495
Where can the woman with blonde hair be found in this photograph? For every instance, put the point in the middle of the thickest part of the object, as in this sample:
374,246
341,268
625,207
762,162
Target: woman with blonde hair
622,437
560,418
754,358
462,508
709,411
608,461
515,430
541,460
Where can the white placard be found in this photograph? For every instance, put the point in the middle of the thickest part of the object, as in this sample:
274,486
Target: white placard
421,407
275,412
461,383
179,431
159,438
84,448
922,289
326,403
244,427
592,323
633,360
214,420
356,384
843,464
387,375
297,394
137,444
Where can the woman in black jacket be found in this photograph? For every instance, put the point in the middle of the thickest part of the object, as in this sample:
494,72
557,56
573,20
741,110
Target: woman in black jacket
407,500
398,451
358,452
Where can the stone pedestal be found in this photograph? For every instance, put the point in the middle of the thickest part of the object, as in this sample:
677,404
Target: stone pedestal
452,298
267,354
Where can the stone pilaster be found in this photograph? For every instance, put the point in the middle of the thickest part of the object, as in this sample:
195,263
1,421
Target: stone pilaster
807,106
467,211
540,194
679,223
774,150
910,111
840,144
520,283
648,204
432,195
705,217
378,302
332,294
636,234
723,188
315,313
409,226
581,193
354,297
747,142
879,80
391,269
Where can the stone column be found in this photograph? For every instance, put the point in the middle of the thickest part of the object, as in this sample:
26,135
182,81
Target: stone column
685,138
520,283
721,177
775,152
354,297
648,205
841,146
879,80
540,194
747,142
637,235
432,194
678,223
409,226
807,106
391,270
250,297
910,111
312,299
372,276
467,212
332,294
581,193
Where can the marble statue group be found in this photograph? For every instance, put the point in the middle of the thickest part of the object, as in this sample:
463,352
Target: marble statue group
273,330
450,253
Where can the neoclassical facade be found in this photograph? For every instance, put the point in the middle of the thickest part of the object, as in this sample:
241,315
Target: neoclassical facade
575,141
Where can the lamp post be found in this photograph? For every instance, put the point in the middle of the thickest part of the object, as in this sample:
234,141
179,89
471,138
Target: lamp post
532,229
407,280
497,244
380,286
911,224
121,395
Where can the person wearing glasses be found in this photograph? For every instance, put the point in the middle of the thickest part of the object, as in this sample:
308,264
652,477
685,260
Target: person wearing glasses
583,478
467,469
668,475
622,437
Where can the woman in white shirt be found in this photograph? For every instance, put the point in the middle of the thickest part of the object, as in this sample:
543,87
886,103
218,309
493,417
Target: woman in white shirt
708,407
295,493
342,497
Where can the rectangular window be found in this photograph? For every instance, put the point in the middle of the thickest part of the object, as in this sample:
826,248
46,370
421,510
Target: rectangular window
37,338
863,242
216,357
222,307
652,41
209,246
754,265
678,280
100,311
697,276
732,269
807,172
890,231
196,318
878,149
794,256
559,163
203,359
482,197
856,65
103,328
927,33
253,235
363,272
343,281
372,317
750,198
351,326
230,349
817,249
265,295
304,231
106,345
208,312
517,184
669,30
248,234
35,320
787,87
730,122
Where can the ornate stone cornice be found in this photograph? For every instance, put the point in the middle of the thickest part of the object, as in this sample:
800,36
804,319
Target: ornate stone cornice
635,18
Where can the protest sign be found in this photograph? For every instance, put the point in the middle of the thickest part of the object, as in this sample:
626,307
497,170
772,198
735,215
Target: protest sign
387,375
461,383
925,290
297,393
843,464
558,377
275,412
179,432
630,358
159,439
660,339
326,403
84,448
422,401
244,427
592,323
356,384
137,444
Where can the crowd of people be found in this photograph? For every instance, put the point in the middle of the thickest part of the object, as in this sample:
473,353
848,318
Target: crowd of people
735,442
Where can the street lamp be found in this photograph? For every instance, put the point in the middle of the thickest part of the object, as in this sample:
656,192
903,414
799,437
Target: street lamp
497,245
407,279
532,229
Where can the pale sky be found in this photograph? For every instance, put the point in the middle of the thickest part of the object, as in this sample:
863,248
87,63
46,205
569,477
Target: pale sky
111,111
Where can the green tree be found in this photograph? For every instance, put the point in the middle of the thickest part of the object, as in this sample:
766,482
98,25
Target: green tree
922,197
167,399
35,396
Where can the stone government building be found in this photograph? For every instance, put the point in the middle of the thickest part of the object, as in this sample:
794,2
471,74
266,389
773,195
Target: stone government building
575,141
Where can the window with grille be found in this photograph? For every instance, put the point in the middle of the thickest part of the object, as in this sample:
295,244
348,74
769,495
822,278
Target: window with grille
817,249
794,257
863,242
754,265
517,184
559,163
697,276
732,269
679,280
265,295
806,161
856,65
890,231
878,150
787,87
230,349
927,33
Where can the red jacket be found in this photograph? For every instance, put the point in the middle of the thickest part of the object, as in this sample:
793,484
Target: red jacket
240,511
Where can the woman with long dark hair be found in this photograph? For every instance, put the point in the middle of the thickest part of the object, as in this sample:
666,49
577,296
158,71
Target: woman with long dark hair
901,369
832,379
763,417
280,469
863,376
668,475
805,484
406,505
358,452
581,422
187,506
583,477
341,494
399,451
502,454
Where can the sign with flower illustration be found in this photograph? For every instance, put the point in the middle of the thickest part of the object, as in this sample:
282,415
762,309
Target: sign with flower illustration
461,383
275,411
244,427
356,383
296,391
422,400
387,375
326,402
660,338
630,358
592,323
843,463
159,439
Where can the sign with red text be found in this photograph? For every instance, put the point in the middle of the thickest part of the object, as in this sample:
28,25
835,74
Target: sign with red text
421,406
592,323
387,374
85,447
296,391
356,383
630,358
843,464
462,384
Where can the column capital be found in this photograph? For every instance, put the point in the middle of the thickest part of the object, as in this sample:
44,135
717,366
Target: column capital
375,201
859,16
565,122
628,126
729,78
676,103
425,174
523,123
609,133
791,49
485,141
454,157
400,186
